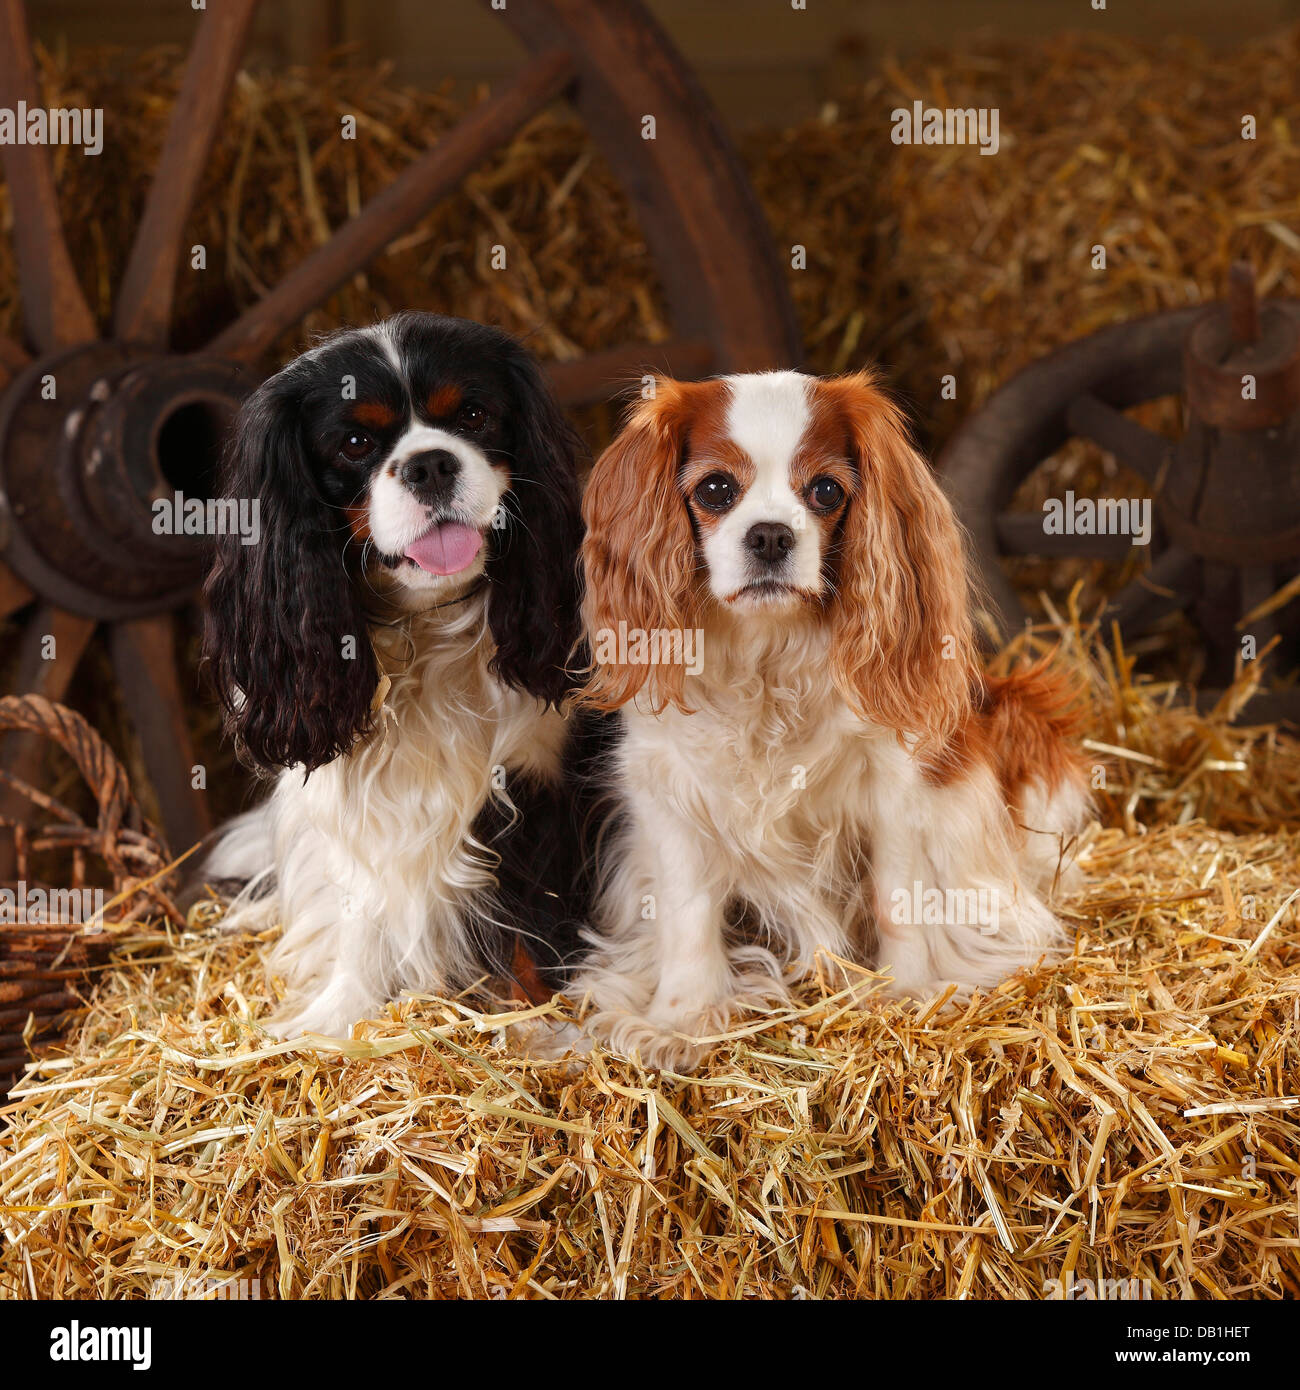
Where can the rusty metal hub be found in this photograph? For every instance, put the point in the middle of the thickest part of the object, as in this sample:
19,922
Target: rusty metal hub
1238,340
80,474
1232,494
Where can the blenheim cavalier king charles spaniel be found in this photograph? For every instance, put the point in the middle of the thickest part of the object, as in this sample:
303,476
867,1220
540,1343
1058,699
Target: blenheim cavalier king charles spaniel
397,643
833,771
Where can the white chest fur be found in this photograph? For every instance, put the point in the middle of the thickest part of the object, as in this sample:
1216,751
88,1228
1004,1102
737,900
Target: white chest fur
772,792
774,768
375,866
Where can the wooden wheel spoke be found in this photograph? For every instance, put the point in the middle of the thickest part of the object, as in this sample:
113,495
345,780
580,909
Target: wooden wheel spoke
1168,585
590,378
400,204
55,312
1023,533
52,647
13,358
1142,450
144,659
713,250
144,307
14,594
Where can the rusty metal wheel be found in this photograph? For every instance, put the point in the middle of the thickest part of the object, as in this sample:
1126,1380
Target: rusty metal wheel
131,421
1226,495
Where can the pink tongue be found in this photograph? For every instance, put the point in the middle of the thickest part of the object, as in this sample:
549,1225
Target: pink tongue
447,549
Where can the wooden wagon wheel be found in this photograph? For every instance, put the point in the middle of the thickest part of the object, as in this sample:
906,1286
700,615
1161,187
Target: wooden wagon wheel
131,421
1226,496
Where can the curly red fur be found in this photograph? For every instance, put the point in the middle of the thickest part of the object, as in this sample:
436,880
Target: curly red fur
902,647
639,552
1024,726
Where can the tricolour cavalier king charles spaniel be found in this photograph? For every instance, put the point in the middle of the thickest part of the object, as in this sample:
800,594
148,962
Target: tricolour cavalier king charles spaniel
397,642
778,602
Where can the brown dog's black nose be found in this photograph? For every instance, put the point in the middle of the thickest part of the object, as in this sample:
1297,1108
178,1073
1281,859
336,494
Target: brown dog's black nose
431,474
770,541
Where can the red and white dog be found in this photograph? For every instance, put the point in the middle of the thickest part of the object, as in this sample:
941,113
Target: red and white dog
831,766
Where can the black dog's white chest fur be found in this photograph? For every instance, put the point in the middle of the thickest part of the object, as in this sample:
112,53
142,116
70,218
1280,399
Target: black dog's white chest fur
389,860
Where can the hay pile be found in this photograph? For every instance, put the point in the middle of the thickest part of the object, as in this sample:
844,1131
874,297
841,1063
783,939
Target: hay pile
936,259
1131,1113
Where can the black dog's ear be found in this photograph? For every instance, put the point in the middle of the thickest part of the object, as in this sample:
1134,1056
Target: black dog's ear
533,569
285,630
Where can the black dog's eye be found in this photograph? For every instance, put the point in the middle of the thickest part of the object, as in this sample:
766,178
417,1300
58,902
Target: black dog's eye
824,494
717,493
473,418
356,445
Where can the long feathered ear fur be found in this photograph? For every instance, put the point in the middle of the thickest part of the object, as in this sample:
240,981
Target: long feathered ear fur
638,557
902,647
533,568
280,611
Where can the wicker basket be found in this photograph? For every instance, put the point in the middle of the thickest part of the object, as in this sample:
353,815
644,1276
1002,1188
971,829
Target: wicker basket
46,963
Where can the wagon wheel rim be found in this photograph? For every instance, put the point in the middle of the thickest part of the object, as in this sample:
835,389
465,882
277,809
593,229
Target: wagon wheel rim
725,290
1082,391
142,632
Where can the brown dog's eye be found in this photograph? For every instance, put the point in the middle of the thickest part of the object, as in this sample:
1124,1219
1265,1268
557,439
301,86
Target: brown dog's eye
824,494
717,493
472,418
356,445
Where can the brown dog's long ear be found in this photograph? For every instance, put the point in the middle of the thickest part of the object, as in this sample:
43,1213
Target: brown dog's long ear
638,556
902,649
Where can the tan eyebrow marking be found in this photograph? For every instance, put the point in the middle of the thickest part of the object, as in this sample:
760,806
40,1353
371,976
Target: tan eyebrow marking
443,400
374,413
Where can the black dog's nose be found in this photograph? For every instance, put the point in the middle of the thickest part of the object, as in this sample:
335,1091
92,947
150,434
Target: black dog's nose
430,473
770,541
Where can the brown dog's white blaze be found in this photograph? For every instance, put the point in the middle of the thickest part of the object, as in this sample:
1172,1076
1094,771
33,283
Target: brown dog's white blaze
865,540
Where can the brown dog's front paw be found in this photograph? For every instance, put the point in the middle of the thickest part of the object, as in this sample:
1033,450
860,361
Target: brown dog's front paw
677,1044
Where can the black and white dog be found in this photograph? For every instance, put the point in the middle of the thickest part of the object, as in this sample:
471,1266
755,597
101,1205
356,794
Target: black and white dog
398,644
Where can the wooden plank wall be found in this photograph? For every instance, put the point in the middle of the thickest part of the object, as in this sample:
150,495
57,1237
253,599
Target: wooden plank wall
761,59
